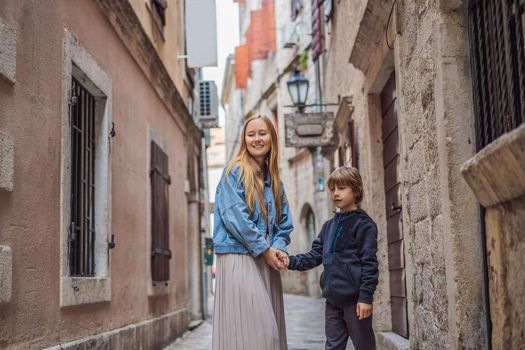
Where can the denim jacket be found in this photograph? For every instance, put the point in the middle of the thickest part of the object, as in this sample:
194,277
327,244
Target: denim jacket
236,230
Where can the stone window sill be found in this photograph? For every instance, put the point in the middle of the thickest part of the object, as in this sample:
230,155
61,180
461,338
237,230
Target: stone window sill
159,288
84,290
392,341
496,173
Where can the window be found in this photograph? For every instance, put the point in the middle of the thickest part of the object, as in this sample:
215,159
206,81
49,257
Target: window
498,67
160,181
82,230
297,5
86,179
159,8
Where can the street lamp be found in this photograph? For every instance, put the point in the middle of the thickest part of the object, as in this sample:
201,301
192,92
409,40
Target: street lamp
298,89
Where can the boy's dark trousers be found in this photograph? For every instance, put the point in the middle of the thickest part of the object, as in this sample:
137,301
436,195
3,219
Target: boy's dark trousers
343,322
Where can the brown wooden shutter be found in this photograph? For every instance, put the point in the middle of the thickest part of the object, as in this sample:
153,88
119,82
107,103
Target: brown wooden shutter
352,143
317,29
160,245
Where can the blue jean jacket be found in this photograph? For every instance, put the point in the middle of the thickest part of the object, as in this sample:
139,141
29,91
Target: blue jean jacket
236,230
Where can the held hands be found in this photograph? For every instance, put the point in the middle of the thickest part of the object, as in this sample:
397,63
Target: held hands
363,310
278,260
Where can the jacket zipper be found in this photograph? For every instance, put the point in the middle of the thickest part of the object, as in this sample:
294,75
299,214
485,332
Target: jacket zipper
339,229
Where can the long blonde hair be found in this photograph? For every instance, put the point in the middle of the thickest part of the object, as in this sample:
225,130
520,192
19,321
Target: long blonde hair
253,184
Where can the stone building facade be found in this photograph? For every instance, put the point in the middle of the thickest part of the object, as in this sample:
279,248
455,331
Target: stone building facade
132,282
401,73
418,55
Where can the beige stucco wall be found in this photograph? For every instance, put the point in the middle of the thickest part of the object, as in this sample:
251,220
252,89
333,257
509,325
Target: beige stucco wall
31,113
172,45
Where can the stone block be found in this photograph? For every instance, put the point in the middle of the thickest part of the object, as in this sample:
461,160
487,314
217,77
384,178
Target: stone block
7,52
434,192
417,198
416,163
6,273
422,242
436,245
7,162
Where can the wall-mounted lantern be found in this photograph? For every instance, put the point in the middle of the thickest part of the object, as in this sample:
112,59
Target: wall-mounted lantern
298,88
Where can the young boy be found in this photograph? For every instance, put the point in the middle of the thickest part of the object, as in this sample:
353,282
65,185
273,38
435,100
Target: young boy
346,246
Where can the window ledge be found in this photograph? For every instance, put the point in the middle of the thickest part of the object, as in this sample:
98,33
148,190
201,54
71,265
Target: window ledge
84,290
392,341
159,288
496,174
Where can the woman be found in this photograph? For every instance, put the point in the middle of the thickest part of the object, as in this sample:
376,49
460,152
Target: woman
251,232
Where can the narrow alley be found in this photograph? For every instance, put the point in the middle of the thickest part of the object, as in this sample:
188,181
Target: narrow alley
304,327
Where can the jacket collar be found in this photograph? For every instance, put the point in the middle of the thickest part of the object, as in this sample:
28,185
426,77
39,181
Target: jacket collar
342,215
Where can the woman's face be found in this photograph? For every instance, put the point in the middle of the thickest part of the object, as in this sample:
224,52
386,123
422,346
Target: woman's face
258,139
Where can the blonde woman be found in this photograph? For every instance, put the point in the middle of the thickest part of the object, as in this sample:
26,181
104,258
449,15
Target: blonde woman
251,234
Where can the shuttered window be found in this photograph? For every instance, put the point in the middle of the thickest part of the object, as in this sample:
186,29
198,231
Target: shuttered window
297,6
317,29
81,238
160,7
160,245
498,67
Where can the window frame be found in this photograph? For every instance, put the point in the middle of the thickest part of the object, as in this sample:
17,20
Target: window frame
79,64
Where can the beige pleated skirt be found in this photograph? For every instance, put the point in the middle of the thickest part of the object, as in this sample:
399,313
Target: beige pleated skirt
249,310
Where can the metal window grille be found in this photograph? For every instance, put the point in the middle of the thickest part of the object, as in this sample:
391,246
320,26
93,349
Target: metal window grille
496,31
160,181
82,229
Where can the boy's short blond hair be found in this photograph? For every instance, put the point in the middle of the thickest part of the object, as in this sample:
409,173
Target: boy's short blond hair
347,176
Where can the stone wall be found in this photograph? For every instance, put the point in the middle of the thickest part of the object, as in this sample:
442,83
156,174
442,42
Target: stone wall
497,177
440,215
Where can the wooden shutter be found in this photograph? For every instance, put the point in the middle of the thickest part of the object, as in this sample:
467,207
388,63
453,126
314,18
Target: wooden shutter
256,35
242,66
352,143
268,14
317,29
160,245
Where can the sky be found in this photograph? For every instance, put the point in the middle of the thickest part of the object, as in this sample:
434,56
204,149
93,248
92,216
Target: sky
227,39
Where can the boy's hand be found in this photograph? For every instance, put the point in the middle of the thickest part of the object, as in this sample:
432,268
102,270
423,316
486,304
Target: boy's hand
284,258
364,310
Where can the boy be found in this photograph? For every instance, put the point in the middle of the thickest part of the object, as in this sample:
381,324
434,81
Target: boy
346,246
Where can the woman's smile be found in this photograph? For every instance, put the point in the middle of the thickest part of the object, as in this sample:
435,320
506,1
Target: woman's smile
258,139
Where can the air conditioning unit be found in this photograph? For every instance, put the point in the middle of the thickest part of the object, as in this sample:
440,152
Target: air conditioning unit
208,108
291,34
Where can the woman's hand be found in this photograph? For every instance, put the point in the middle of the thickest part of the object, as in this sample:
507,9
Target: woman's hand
271,255
363,310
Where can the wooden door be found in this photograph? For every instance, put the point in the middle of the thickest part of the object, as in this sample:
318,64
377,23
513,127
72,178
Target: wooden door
396,256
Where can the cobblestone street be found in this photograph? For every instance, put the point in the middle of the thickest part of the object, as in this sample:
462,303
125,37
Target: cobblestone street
304,327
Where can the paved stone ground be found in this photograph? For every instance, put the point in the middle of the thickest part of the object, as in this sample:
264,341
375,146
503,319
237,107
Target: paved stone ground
304,327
